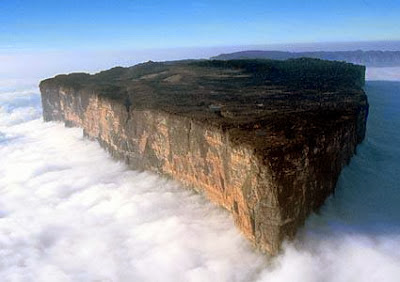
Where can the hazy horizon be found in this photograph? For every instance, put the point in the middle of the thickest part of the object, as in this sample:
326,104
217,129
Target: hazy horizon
50,37
47,63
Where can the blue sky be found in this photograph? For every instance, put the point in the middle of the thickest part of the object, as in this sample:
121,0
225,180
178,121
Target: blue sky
102,24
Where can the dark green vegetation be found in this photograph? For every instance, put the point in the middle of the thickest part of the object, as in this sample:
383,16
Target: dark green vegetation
236,94
368,58
302,73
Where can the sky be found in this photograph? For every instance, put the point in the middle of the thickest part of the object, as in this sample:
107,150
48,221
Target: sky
42,38
152,24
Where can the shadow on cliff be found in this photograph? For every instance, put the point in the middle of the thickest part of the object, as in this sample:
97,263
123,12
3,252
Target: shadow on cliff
367,198
355,236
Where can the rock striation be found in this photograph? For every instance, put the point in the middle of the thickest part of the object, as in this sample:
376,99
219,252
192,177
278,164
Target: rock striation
264,139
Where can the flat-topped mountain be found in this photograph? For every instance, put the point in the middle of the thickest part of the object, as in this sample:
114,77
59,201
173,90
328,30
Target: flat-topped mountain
367,58
265,139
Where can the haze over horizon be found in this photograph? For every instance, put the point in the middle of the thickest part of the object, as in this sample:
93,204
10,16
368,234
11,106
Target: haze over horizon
50,37
42,64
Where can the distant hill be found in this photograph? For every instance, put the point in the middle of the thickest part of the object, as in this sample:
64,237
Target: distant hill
367,58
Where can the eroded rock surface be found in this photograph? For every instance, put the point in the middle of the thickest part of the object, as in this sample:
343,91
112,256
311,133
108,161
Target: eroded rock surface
263,143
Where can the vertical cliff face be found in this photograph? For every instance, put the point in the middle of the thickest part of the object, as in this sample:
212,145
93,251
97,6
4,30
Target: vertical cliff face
270,174
198,156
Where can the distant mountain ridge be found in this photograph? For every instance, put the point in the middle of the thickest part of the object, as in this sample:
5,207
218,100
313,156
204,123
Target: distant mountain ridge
367,58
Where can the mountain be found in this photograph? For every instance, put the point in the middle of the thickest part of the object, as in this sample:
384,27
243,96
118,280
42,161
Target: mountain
264,139
367,58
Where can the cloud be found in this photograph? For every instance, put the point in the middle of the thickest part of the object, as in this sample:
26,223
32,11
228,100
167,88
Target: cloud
389,73
68,212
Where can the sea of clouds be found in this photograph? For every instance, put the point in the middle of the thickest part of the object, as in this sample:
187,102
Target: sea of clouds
387,74
68,212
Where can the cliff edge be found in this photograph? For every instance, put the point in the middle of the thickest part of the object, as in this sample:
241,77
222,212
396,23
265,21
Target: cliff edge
264,139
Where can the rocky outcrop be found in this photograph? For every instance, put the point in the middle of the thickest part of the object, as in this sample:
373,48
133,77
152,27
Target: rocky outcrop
270,159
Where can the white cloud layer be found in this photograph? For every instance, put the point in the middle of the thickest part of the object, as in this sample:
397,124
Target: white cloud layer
392,73
68,212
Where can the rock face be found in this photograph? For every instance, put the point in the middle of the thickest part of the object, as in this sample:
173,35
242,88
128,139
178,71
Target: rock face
251,139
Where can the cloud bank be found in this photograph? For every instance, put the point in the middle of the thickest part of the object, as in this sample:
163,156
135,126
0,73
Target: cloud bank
392,74
68,212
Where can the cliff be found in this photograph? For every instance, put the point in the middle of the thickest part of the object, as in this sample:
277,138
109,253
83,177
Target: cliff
264,139
367,58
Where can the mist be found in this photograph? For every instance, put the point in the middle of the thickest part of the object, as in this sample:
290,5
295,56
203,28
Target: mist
41,64
68,212
388,74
